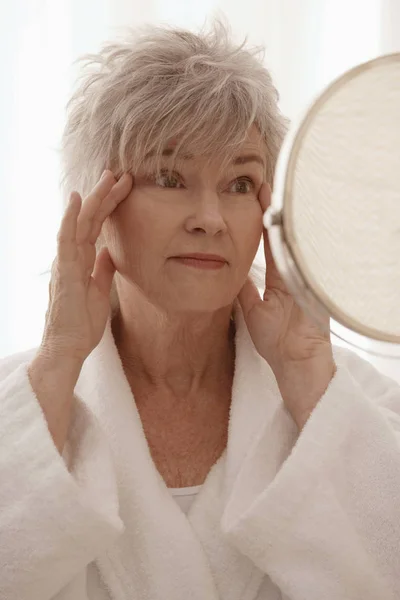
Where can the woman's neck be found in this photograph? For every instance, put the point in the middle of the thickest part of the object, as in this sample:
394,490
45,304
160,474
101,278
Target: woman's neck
179,355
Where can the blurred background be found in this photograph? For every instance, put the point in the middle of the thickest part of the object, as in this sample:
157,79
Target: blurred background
308,43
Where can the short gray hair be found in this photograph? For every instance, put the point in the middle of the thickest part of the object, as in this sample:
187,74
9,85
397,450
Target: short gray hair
160,83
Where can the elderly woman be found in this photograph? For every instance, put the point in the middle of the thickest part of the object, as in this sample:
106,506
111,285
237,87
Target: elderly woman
175,436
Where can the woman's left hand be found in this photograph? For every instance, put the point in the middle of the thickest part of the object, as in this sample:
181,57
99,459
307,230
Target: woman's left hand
297,350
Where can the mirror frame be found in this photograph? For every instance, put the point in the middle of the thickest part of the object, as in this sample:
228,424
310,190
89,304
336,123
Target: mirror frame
279,224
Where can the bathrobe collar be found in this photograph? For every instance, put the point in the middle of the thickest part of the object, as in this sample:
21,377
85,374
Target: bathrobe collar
184,556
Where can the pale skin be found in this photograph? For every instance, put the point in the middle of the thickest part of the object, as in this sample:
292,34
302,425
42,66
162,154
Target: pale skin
173,332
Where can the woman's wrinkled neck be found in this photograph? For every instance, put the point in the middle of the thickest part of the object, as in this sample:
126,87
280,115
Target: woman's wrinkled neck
179,353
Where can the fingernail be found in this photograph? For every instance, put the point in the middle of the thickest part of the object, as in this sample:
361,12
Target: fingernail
103,174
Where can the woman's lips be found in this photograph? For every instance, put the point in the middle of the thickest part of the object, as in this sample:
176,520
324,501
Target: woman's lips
200,263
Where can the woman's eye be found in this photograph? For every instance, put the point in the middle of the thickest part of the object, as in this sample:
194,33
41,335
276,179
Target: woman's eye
244,185
167,180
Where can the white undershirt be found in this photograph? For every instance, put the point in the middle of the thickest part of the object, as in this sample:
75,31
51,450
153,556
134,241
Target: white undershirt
185,496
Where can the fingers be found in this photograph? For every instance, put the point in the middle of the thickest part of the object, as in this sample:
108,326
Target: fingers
82,222
273,279
104,198
92,204
118,193
66,237
248,296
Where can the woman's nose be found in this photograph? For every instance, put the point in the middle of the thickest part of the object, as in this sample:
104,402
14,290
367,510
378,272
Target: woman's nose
206,214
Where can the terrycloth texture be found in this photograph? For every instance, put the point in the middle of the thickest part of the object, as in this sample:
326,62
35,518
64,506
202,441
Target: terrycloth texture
281,516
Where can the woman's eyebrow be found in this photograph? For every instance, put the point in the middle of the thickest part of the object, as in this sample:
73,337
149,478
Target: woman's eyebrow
246,158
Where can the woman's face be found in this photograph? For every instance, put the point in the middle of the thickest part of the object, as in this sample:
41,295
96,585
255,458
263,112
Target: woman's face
197,209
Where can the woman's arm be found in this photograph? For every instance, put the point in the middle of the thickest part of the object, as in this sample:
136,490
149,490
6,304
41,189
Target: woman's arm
53,521
53,382
328,525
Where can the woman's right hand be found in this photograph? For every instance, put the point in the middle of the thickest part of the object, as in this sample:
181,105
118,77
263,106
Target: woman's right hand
79,290
79,303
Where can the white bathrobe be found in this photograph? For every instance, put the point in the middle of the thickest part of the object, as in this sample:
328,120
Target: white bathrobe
281,515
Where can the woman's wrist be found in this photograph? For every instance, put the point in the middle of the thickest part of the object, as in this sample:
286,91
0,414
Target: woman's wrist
61,370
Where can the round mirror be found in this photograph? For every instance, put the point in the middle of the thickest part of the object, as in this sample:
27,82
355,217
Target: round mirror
334,219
